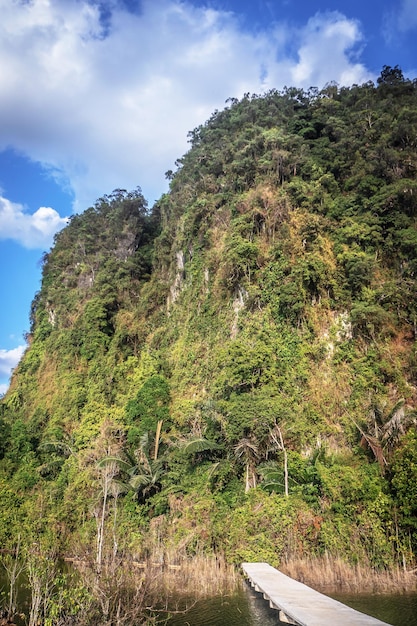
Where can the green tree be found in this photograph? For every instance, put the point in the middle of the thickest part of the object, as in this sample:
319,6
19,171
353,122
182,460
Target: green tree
404,481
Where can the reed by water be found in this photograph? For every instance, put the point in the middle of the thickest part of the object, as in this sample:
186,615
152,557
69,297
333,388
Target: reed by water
200,576
144,590
128,590
332,573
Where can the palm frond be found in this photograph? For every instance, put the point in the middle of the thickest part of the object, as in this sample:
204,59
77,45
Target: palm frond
107,460
198,444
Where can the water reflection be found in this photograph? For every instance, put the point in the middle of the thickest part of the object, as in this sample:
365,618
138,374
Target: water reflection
259,609
244,608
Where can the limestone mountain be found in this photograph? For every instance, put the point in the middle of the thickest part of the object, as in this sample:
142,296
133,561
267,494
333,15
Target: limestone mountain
234,370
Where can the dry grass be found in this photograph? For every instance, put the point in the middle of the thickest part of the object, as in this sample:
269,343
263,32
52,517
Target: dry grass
202,576
199,577
329,573
128,591
178,587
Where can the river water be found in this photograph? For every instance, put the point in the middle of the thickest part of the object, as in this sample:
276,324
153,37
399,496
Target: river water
248,608
245,607
398,610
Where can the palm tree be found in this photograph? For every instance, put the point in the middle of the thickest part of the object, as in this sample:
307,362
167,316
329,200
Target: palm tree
384,429
248,450
141,471
396,425
197,445
147,481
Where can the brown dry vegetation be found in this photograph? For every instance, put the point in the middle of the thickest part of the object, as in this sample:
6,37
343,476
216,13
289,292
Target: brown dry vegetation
329,573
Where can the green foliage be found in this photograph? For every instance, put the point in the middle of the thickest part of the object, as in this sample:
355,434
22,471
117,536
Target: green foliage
93,331
4,437
261,527
70,600
11,514
404,480
150,406
263,354
22,441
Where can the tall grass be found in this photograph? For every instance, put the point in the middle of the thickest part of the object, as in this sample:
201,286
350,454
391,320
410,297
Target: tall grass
199,576
127,591
332,573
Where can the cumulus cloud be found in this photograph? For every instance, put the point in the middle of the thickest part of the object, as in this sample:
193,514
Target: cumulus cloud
107,101
31,230
8,360
328,50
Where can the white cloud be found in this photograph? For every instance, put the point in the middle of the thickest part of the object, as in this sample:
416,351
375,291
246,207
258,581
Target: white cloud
328,48
111,107
8,360
31,230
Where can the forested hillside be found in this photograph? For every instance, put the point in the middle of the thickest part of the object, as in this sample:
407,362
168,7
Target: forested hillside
233,370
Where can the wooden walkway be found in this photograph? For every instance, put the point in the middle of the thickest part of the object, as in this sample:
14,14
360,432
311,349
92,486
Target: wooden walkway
301,605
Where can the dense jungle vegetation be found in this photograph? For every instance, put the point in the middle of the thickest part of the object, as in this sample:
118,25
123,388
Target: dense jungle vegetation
233,371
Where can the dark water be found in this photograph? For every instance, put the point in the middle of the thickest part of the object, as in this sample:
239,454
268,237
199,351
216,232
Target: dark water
243,608
248,608
398,610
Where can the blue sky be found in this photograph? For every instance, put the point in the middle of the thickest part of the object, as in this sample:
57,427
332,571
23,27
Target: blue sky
100,95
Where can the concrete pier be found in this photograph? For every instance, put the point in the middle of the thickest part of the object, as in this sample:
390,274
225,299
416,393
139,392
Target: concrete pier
299,604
